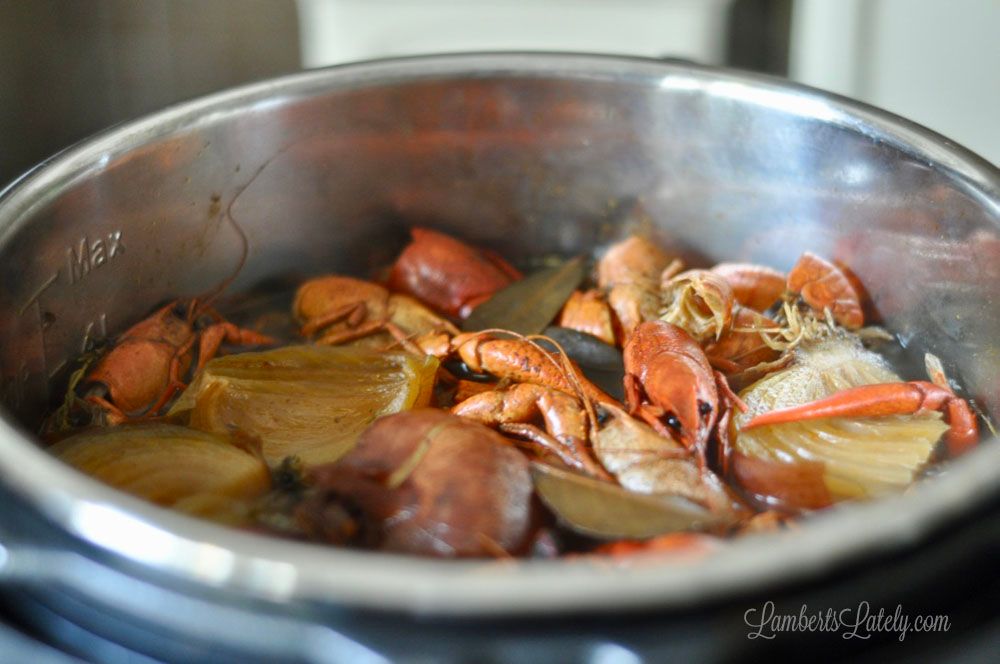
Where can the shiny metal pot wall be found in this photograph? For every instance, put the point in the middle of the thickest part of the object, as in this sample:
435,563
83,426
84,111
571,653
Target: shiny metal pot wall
527,154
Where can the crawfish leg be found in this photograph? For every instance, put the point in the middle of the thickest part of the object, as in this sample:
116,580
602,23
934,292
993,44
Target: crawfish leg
723,443
243,337
354,313
636,406
567,422
213,336
573,456
495,407
633,394
512,411
174,382
652,415
723,364
542,440
402,338
726,392
963,433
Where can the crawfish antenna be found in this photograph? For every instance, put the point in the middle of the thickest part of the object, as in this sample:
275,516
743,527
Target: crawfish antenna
212,295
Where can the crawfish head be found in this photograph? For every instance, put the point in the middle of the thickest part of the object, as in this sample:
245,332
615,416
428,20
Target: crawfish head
172,323
147,364
674,386
135,371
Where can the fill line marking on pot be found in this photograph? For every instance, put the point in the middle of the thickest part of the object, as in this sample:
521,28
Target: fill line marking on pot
100,324
38,293
87,256
56,369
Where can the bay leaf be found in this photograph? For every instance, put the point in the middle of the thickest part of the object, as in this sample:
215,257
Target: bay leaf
529,305
586,349
604,510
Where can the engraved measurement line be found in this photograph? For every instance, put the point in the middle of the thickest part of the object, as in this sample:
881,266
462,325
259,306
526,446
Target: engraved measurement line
43,355
37,294
100,326
52,372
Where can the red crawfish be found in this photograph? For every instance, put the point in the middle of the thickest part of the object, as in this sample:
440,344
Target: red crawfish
547,386
825,286
628,279
630,273
754,286
147,364
344,309
448,275
670,385
822,284
513,410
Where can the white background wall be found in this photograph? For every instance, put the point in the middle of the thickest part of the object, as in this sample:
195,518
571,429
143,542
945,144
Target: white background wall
933,61
334,31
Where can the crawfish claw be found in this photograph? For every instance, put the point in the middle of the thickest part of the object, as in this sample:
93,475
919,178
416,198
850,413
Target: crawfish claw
884,399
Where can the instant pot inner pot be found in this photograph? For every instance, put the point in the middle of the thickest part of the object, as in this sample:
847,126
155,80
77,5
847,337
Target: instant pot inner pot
326,171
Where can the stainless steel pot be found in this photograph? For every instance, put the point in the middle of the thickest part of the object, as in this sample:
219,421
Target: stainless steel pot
531,153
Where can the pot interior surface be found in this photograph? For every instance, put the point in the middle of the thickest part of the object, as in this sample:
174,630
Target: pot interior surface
529,155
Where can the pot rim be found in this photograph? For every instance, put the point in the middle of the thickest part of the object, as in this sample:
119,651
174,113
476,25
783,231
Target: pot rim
263,567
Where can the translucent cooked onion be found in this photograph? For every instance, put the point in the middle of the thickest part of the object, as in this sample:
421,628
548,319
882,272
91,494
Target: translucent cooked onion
308,401
170,465
862,457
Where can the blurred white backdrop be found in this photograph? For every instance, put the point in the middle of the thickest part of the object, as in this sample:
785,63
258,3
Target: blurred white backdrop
933,61
334,31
